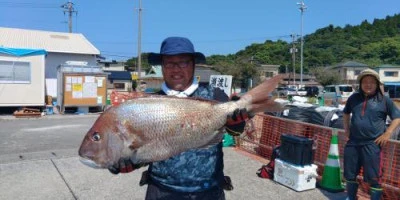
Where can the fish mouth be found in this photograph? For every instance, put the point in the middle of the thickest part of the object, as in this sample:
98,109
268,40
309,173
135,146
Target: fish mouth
90,163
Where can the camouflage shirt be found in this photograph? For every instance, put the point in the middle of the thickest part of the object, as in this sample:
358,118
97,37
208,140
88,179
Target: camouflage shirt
195,170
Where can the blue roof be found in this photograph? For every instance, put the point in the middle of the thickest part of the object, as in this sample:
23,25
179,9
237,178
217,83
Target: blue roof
22,52
119,75
351,64
392,83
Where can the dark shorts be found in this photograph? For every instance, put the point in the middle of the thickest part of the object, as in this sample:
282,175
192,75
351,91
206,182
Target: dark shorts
367,156
155,192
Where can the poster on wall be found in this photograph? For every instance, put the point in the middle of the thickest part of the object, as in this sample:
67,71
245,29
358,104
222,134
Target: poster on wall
76,90
89,79
89,90
99,99
100,81
68,87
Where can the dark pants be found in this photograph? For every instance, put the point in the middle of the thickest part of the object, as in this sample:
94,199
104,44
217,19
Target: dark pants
155,192
367,156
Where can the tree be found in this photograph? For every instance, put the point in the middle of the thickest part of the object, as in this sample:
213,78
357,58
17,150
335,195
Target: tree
326,76
131,64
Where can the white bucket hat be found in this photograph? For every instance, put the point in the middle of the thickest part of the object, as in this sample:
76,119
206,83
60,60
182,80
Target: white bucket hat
369,72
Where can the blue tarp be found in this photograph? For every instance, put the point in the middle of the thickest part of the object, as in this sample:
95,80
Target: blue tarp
392,83
22,52
119,75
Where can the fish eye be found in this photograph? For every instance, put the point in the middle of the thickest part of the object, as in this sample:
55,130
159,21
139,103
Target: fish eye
96,136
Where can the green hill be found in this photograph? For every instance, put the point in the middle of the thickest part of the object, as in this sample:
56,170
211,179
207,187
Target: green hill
373,43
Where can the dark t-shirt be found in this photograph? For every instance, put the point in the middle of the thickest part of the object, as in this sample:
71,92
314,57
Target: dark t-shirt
368,120
195,170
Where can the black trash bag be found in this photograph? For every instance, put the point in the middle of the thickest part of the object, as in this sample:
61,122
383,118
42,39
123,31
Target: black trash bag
337,123
305,114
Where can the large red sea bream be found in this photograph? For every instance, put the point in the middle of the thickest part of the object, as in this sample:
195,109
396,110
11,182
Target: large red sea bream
154,128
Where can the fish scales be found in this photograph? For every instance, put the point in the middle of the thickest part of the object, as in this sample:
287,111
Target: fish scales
171,124
153,128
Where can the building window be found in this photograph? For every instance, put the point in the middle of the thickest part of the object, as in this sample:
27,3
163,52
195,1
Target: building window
357,72
15,72
119,86
269,74
391,74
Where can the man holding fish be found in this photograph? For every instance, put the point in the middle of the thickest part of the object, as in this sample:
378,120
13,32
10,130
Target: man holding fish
178,133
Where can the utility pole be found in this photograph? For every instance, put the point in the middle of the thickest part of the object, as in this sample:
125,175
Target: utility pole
69,7
302,8
293,51
139,62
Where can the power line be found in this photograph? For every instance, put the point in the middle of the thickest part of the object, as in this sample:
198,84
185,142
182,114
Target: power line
117,55
113,53
27,5
199,41
246,39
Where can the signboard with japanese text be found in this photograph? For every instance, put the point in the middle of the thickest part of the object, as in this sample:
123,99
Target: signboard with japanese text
135,76
223,82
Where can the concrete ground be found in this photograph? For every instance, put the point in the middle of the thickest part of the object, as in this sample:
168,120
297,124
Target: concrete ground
67,178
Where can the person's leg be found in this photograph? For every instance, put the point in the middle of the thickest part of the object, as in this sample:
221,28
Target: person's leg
155,192
214,194
351,170
371,157
376,193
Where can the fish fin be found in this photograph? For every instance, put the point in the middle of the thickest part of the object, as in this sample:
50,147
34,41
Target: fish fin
260,98
267,106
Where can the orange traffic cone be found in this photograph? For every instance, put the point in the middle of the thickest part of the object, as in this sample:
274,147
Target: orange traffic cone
331,178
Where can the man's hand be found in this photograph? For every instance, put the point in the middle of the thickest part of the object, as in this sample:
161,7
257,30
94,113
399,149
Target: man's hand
382,140
238,116
236,122
124,166
347,133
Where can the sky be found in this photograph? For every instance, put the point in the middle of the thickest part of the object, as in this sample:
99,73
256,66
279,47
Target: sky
214,26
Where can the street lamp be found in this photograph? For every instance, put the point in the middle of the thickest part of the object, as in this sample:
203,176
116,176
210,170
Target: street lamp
302,9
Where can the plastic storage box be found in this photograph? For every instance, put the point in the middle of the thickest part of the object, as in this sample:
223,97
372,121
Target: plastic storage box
295,177
296,150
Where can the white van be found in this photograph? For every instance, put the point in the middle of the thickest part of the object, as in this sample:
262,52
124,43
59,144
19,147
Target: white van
342,91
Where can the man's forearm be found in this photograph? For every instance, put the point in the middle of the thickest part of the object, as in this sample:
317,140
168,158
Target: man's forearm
393,125
346,124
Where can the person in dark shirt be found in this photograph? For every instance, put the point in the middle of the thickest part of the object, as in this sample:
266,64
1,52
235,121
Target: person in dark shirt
197,173
367,133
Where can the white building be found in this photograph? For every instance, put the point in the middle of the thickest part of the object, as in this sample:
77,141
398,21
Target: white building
22,80
389,73
349,71
60,47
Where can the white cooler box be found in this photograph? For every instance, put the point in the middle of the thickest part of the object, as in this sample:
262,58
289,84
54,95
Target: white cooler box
296,177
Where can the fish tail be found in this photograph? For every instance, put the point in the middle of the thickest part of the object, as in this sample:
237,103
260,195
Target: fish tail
259,99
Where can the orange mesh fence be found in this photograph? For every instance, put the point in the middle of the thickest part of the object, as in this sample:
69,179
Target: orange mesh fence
264,133
120,97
